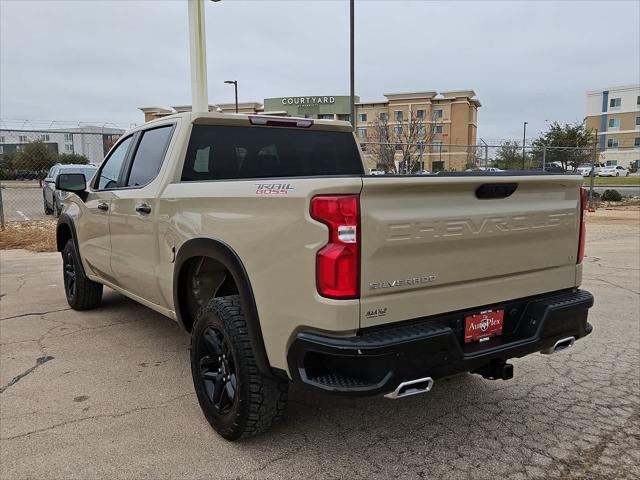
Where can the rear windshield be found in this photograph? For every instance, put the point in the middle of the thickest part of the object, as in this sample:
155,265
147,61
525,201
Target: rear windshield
222,152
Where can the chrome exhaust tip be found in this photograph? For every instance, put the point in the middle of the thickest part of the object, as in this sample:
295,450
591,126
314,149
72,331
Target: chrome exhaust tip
411,387
560,345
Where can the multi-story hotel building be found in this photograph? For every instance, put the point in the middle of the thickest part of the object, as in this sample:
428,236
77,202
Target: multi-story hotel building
615,113
450,118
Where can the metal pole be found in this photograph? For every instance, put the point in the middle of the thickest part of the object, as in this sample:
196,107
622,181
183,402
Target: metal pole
1,209
486,153
351,66
544,156
198,56
592,174
524,141
235,84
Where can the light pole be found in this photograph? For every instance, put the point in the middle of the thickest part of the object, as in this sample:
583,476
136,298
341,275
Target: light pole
486,153
351,64
235,84
524,140
198,56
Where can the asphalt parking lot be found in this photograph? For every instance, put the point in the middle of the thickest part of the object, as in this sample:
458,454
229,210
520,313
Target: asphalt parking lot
23,202
108,394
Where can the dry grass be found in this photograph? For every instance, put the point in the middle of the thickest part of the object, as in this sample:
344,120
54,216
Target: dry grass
37,236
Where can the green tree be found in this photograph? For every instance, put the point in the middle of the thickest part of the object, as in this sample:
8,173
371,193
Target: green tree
572,145
36,157
509,156
72,158
7,166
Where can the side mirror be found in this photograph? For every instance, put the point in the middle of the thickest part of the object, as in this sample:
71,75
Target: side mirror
72,182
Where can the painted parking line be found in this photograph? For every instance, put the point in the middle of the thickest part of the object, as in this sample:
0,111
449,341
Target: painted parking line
24,217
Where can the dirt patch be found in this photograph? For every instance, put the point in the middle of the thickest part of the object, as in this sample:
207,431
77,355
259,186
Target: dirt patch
624,214
37,236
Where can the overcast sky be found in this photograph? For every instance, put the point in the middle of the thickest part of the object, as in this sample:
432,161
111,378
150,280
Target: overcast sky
100,60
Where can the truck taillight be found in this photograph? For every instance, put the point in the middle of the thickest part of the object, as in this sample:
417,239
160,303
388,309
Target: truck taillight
583,229
338,262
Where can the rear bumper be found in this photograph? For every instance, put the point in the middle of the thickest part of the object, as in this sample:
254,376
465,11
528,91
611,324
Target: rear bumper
378,359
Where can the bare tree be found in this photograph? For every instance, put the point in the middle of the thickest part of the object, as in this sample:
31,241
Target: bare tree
383,148
407,138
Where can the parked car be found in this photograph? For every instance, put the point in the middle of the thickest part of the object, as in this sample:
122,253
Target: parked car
553,168
613,171
53,198
265,240
585,169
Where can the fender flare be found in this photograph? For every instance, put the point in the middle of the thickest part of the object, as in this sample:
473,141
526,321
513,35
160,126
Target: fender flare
223,253
66,220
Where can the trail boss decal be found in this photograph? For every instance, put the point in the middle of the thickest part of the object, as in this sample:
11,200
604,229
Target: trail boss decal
273,188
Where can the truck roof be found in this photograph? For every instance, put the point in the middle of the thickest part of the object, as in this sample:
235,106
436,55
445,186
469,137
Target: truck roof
241,119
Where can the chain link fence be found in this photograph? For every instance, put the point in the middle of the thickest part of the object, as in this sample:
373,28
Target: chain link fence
28,158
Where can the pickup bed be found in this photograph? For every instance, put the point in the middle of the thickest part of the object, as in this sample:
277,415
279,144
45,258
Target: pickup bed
264,239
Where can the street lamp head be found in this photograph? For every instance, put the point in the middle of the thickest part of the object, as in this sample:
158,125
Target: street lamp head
230,81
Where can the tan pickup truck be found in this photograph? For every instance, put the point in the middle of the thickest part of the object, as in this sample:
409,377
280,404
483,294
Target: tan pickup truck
265,240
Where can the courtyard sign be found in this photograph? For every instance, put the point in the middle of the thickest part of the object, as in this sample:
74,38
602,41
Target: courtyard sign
308,100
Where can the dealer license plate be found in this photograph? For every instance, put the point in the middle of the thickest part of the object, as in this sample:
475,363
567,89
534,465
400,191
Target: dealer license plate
484,325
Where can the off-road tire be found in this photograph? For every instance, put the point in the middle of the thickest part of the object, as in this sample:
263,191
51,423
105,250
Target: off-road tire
85,294
259,400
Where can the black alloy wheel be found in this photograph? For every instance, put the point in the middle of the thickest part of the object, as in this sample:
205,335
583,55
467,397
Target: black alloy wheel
69,269
217,370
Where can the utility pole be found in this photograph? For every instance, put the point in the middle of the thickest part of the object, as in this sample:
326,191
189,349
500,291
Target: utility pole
351,64
198,56
524,141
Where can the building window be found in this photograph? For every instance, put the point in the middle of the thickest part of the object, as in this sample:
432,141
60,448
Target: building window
362,117
384,116
421,146
638,100
398,115
398,130
437,113
44,137
420,114
362,132
636,142
22,139
68,148
422,130
68,137
1,139
612,143
614,123
437,144
437,129
2,149
615,102
637,122
398,146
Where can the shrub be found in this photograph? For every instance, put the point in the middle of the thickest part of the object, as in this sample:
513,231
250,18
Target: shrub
611,196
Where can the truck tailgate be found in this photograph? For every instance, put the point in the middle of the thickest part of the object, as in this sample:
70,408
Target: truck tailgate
430,245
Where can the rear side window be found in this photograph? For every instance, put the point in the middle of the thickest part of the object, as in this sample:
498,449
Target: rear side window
149,155
222,152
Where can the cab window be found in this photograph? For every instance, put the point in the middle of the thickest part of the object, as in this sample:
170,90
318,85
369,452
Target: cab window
110,171
149,155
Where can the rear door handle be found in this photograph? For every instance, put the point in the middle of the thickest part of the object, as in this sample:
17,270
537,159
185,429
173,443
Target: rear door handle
144,209
103,206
